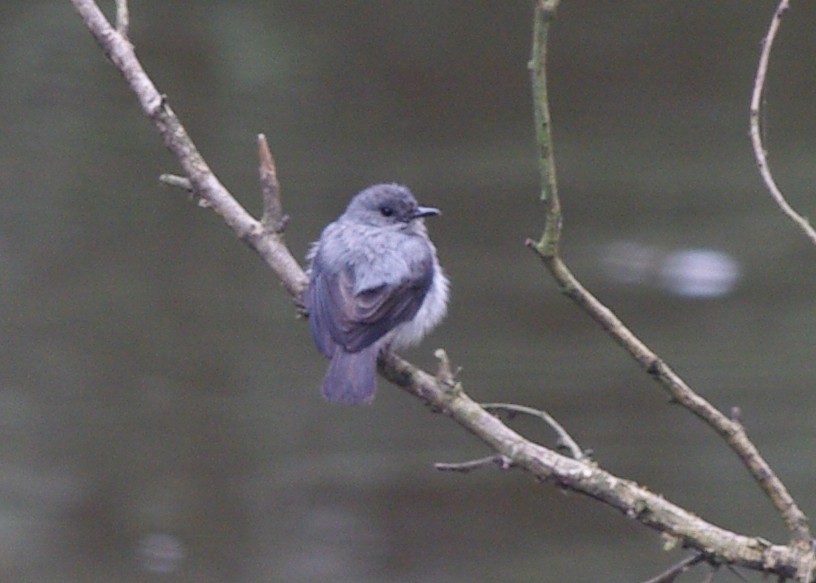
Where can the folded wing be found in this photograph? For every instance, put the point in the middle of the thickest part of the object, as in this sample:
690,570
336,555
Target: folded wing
339,315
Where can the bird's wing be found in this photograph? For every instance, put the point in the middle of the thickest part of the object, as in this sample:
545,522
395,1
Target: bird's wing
355,320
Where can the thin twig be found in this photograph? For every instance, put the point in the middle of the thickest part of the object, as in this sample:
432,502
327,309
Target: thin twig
122,18
741,576
176,181
564,438
184,183
760,151
671,574
503,462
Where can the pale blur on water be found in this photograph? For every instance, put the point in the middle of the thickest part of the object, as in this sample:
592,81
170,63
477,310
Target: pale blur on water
159,401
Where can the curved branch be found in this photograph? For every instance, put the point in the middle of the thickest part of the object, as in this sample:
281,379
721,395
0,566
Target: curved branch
565,440
760,152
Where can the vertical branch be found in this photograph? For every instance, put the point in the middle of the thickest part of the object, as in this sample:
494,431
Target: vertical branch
760,151
544,15
730,430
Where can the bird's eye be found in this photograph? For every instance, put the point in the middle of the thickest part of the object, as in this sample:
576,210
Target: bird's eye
386,211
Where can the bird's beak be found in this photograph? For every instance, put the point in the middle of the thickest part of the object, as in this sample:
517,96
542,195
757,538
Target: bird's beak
426,211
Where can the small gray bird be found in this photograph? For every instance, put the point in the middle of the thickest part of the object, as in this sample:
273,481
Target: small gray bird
374,282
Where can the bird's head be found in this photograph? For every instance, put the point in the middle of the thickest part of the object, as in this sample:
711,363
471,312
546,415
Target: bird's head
384,205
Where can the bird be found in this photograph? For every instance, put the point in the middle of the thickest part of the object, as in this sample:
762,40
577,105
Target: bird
375,283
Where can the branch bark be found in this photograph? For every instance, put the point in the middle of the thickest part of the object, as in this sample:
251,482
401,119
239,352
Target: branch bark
205,184
547,249
631,499
443,392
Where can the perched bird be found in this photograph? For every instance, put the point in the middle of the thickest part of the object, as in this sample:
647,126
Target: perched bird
374,283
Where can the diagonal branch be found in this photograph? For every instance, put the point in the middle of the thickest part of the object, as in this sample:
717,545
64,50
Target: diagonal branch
444,394
547,249
204,183
731,430
585,477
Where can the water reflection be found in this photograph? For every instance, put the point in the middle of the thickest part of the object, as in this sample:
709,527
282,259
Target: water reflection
688,273
699,273
159,552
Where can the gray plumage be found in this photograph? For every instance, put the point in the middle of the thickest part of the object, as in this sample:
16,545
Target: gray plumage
374,281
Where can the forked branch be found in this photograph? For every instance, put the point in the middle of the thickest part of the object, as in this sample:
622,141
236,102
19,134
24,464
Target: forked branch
547,249
443,391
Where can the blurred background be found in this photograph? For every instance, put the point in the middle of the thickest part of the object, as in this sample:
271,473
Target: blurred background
159,400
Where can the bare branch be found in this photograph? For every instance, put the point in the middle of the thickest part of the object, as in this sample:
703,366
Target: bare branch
547,249
585,477
444,373
184,183
273,218
205,184
466,467
176,181
511,448
760,151
550,238
564,438
730,430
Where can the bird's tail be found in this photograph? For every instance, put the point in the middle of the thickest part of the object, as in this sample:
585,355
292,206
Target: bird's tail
352,376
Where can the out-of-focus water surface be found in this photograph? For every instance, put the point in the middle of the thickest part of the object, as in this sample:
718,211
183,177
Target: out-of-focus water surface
159,405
